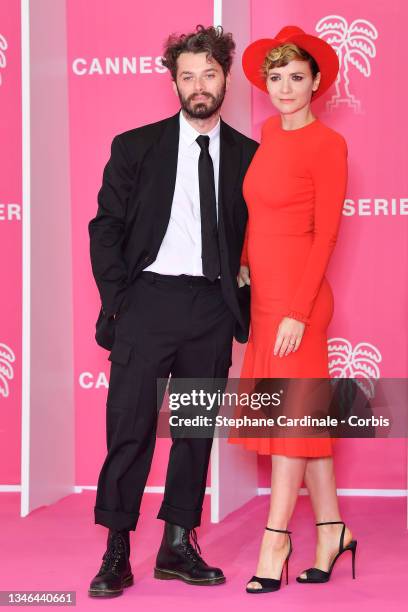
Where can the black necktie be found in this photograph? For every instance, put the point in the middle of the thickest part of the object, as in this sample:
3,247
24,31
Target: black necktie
208,207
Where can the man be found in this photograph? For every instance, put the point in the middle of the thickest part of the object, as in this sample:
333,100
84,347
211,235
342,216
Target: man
165,250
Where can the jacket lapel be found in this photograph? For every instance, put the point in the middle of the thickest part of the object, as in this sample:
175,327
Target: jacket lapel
164,181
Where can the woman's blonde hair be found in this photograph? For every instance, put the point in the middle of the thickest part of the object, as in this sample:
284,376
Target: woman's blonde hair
282,55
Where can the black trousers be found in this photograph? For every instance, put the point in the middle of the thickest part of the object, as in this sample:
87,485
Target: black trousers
172,325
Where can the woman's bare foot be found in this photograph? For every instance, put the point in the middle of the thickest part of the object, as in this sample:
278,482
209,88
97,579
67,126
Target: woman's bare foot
274,550
328,540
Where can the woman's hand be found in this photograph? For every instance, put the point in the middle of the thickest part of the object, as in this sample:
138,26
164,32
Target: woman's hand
289,336
243,276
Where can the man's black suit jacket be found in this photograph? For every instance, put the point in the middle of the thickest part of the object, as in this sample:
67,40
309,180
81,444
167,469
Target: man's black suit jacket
134,205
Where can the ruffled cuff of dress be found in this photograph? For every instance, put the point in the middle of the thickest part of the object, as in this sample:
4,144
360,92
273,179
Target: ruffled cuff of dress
299,316
244,262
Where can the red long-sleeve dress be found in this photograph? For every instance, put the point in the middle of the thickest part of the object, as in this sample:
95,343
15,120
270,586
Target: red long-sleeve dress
294,189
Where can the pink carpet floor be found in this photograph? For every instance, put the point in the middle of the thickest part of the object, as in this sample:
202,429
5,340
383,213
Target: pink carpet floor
59,548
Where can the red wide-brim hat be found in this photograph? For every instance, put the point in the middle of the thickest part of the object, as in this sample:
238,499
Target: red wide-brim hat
325,56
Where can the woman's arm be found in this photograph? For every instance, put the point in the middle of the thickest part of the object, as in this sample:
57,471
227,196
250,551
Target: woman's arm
329,172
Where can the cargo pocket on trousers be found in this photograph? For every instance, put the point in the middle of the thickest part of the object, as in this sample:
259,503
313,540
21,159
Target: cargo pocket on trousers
125,376
120,351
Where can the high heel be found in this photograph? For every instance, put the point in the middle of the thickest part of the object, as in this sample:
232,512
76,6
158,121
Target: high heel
315,575
272,584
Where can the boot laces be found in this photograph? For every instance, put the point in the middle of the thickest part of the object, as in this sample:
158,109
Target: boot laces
113,555
192,550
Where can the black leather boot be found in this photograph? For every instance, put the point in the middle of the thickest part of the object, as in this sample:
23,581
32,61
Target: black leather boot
178,559
115,572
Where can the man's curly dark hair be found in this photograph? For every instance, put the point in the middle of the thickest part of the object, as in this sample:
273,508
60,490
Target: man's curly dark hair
212,41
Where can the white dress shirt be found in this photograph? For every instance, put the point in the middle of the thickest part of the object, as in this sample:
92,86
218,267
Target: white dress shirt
180,251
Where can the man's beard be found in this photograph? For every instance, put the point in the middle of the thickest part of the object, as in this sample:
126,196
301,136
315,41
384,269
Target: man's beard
202,110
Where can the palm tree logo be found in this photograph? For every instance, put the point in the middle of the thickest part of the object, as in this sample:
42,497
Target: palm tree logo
354,46
7,358
3,47
360,363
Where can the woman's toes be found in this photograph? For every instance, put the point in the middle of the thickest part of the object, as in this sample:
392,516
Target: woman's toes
303,575
254,585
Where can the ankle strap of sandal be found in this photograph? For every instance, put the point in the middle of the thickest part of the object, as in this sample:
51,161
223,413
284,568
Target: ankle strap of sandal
278,530
341,547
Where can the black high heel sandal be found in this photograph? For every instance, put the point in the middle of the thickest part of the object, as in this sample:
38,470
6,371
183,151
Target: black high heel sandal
272,584
315,575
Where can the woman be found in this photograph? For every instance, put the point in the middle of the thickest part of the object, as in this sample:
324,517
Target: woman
295,189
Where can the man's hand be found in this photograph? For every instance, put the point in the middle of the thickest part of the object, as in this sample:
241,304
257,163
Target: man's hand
243,276
289,336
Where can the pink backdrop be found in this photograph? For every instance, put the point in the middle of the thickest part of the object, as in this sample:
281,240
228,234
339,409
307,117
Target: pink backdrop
10,242
106,43
369,267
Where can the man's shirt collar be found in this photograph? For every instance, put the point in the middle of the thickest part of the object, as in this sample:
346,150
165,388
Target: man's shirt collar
190,134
